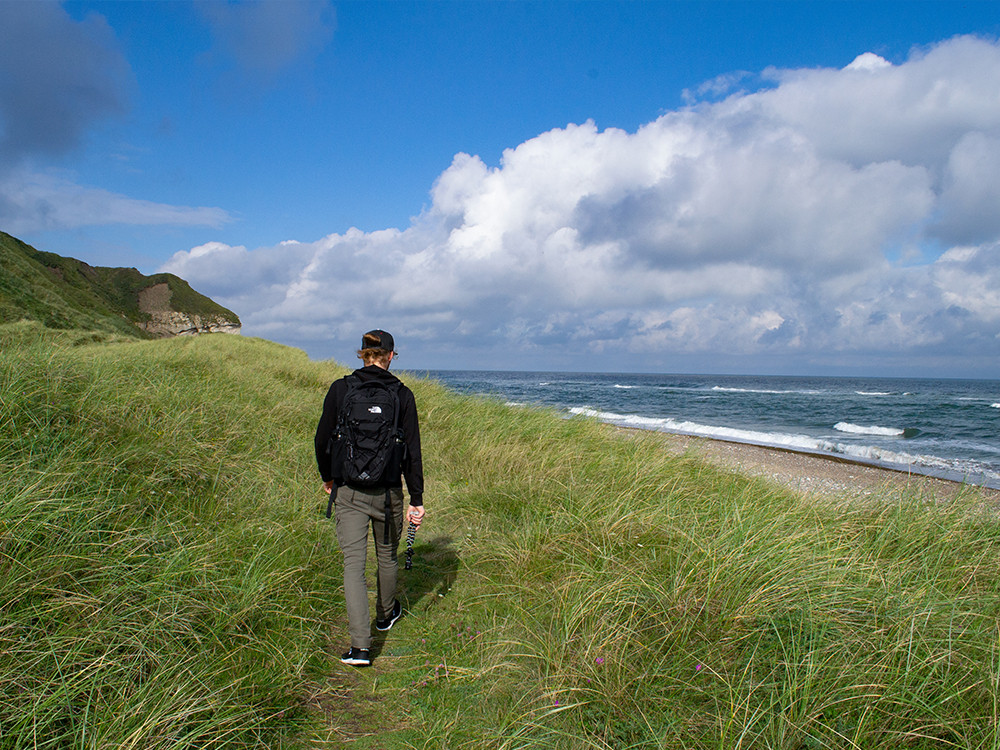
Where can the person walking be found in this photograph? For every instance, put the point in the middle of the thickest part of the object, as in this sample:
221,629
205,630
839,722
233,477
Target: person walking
370,501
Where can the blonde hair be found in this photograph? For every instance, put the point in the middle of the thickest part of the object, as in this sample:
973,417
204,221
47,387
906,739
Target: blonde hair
372,351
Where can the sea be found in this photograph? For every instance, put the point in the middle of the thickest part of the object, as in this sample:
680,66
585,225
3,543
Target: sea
943,428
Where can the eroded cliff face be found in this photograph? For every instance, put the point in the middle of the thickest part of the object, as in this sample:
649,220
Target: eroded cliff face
166,322
181,324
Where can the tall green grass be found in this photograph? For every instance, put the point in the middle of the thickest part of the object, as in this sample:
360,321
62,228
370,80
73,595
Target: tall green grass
167,578
161,584
622,598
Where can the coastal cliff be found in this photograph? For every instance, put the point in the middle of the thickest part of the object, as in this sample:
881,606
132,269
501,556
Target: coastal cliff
66,293
154,301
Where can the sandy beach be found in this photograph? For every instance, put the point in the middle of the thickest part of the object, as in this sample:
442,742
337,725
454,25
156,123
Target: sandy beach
812,474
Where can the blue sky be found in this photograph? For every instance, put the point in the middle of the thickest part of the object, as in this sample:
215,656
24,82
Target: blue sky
775,187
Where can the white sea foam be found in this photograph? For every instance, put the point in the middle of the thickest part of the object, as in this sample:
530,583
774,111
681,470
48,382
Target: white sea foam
805,443
875,393
723,389
856,429
666,424
995,406
625,387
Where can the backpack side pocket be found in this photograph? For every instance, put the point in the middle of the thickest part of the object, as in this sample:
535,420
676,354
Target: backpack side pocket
337,450
397,457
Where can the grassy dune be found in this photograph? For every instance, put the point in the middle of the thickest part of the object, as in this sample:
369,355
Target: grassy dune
65,293
167,578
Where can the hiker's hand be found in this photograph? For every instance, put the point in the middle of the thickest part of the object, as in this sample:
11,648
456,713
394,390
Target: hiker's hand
328,487
416,514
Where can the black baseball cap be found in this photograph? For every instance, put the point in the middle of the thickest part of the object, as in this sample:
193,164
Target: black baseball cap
384,339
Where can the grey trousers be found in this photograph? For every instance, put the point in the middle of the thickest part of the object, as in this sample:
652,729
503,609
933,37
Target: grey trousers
356,510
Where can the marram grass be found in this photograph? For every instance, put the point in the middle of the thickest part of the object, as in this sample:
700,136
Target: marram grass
167,578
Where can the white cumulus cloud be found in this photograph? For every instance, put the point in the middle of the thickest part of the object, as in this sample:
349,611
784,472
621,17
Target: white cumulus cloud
833,214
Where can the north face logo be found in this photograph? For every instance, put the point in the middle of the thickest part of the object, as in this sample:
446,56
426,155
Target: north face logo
375,410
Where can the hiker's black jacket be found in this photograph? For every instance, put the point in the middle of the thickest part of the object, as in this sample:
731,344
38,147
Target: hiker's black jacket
413,471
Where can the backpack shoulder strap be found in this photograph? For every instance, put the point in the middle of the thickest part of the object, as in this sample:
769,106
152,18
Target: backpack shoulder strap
351,383
394,390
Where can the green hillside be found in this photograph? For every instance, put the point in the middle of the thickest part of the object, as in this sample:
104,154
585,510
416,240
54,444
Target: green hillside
168,580
66,293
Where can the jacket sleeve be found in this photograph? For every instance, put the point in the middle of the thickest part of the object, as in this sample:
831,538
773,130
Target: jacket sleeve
413,472
324,431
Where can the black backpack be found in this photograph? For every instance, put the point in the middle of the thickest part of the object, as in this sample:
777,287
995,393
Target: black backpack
367,448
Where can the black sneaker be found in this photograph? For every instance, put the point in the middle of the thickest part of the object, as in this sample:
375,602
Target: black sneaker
397,612
358,657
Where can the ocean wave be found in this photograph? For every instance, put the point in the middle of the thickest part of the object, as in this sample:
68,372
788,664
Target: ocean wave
666,424
995,406
919,463
723,389
856,429
875,393
624,387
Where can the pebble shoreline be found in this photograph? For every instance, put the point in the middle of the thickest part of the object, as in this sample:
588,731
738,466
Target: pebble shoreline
812,474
